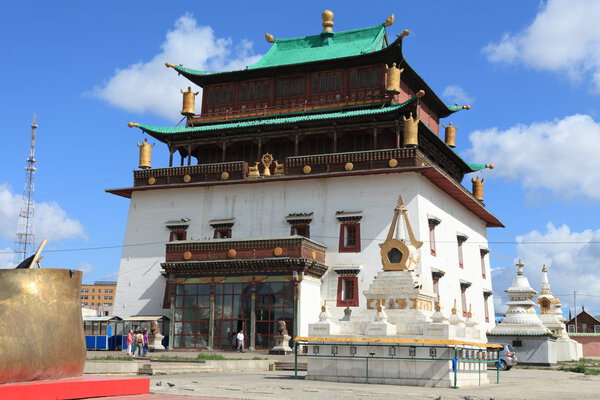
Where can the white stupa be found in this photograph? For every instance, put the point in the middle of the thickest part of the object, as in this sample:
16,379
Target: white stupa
521,317
548,310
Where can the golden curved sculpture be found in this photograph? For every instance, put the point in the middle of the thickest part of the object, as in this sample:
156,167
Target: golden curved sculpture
41,328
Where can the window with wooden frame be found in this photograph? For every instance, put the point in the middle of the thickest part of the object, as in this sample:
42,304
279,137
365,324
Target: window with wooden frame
178,229
349,231
461,239
486,306
433,222
222,228
463,297
300,224
347,291
483,252
436,276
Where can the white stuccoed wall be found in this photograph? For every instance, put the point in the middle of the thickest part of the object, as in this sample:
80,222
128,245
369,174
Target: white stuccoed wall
260,208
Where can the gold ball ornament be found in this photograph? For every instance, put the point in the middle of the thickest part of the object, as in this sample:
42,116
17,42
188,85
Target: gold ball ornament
393,163
277,251
224,175
231,253
187,178
307,169
151,180
187,255
349,166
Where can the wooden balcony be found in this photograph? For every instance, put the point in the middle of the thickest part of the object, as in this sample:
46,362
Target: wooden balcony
284,109
246,256
300,166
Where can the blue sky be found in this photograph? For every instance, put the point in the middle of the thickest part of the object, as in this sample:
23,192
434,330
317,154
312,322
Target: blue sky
530,70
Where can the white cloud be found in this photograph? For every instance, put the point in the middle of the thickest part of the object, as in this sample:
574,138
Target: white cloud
150,87
51,221
559,156
564,37
573,260
457,95
7,258
86,268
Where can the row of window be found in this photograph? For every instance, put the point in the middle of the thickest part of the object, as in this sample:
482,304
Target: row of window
324,83
85,303
85,297
87,290
460,240
349,239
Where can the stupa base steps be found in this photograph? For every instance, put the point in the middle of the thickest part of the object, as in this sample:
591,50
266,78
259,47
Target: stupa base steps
373,364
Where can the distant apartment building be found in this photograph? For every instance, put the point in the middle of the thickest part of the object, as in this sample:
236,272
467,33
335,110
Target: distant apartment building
99,296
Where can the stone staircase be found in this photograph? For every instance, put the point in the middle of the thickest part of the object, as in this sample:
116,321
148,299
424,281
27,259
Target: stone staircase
170,368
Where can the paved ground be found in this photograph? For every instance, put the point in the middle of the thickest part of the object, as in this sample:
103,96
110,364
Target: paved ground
515,384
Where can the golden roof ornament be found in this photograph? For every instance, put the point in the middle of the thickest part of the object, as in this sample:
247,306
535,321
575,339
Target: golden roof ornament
404,33
169,65
544,268
269,38
454,308
324,306
410,130
450,135
133,124
389,21
327,24
266,160
189,100
145,154
393,79
477,187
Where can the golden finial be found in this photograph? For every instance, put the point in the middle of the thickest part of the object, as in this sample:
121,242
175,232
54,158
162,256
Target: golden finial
478,187
454,308
269,38
389,21
420,93
438,305
169,65
490,166
470,313
520,266
379,305
544,269
404,33
467,107
327,24
133,124
324,306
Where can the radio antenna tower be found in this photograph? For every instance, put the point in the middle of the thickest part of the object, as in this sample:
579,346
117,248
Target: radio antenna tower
25,233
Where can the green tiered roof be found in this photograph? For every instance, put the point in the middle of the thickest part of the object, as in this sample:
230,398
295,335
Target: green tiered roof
325,46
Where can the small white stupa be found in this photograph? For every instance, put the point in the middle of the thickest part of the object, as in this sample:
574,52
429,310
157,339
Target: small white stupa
552,317
521,317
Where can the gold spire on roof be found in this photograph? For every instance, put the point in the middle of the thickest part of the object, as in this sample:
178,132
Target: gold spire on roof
404,33
544,268
133,124
169,65
269,38
327,24
389,21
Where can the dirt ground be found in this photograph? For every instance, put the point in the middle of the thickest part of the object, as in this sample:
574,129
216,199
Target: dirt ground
526,384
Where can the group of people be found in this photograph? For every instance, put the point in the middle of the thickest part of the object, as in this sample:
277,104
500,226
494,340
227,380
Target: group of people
137,342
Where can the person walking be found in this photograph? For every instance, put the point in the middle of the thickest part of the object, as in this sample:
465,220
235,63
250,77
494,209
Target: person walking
129,342
139,344
145,335
240,341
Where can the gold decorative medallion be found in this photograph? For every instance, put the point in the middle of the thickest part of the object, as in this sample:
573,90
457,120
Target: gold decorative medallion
393,163
307,169
187,178
349,166
231,253
187,255
224,175
277,251
151,180
313,255
266,161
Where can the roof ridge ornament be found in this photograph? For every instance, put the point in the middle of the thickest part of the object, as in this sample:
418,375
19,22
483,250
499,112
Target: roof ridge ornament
389,21
269,38
327,23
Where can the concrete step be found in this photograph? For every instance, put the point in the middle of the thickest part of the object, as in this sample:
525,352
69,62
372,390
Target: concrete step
174,368
289,366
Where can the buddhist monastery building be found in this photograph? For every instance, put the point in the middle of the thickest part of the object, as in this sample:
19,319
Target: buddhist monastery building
277,193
